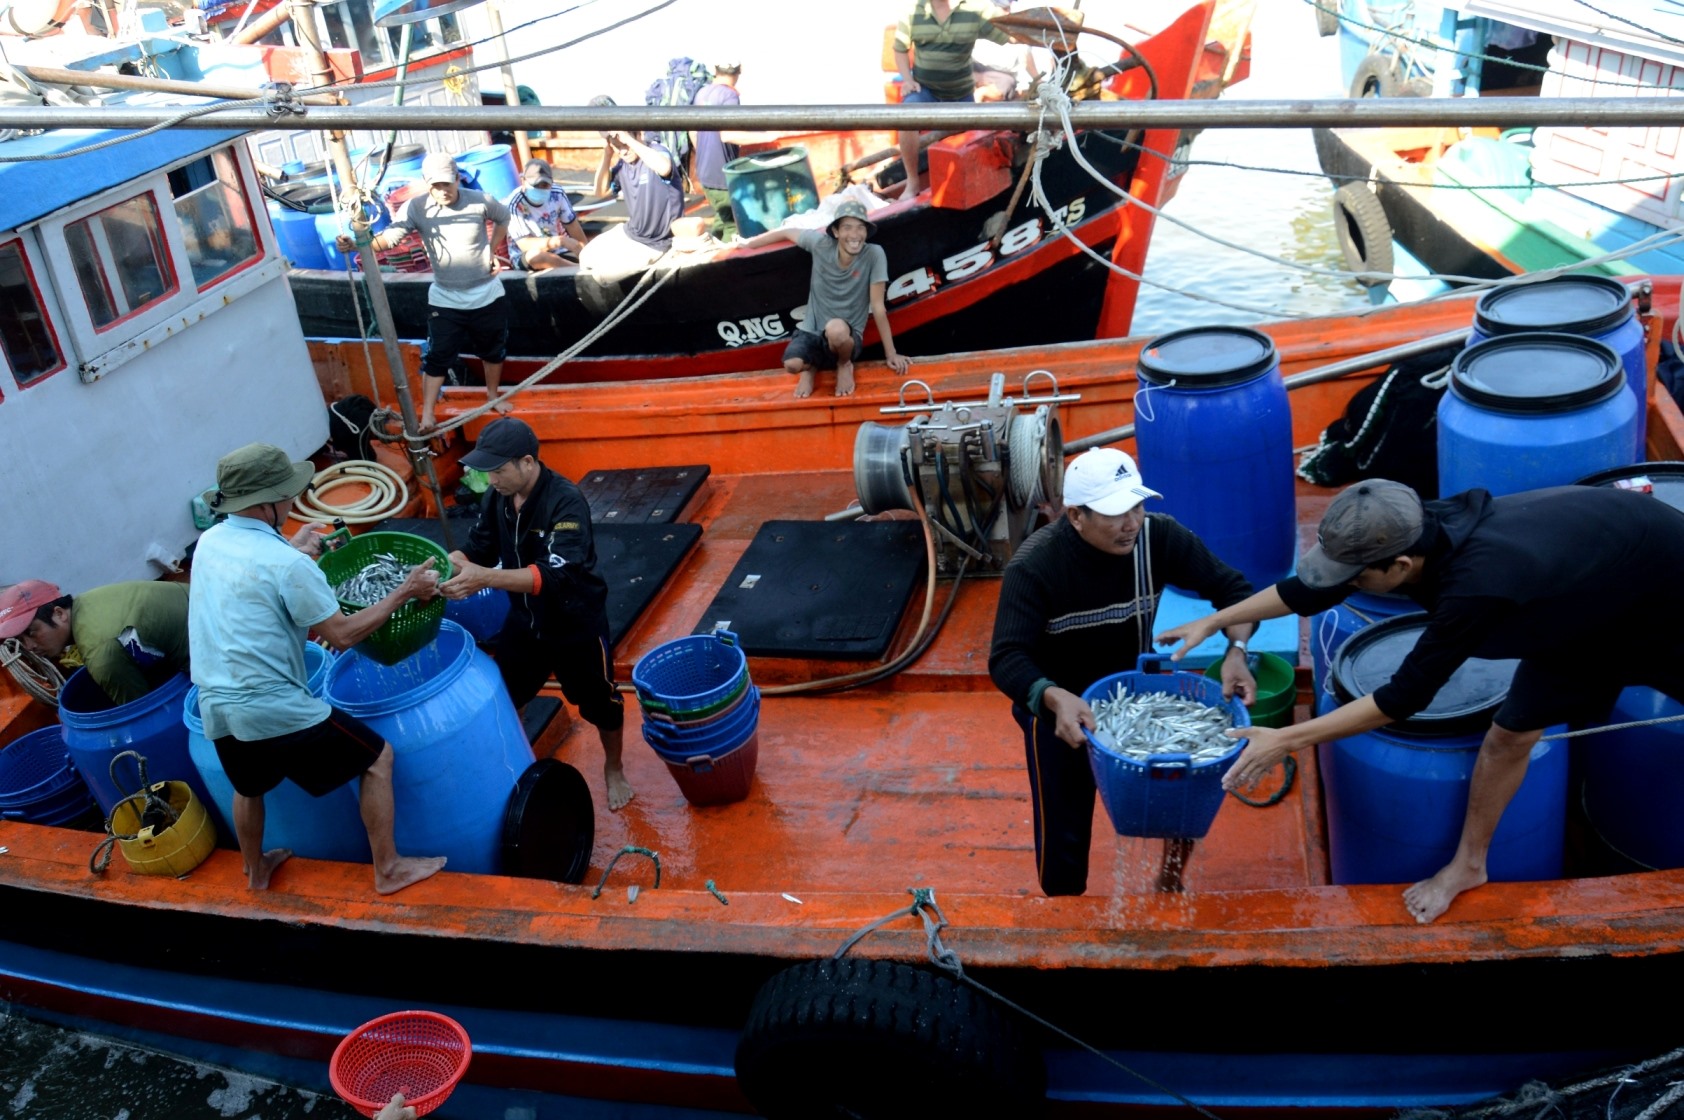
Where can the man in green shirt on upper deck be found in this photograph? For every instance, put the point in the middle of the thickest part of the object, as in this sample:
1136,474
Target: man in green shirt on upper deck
131,637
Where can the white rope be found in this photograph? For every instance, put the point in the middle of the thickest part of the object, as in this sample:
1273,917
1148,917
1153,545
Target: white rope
35,674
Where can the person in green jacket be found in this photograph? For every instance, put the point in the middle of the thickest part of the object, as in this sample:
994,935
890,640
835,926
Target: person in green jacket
131,637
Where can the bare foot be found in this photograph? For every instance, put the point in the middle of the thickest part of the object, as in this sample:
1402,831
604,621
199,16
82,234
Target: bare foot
844,379
909,188
258,880
1431,897
502,406
804,384
619,789
406,872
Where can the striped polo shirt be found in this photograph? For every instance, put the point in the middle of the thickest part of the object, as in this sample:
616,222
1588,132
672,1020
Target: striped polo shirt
941,51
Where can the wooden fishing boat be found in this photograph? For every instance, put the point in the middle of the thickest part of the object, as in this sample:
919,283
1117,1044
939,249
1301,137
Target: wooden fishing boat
974,261
1485,202
1262,987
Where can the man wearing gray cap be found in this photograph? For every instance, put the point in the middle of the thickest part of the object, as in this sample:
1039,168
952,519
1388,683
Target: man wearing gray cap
465,305
1574,581
253,598
542,224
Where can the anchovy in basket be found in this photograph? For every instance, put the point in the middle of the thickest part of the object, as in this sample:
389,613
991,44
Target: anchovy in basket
1138,725
378,579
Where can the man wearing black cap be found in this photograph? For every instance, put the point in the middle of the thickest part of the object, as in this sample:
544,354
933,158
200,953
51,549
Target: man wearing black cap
536,528
1575,581
253,598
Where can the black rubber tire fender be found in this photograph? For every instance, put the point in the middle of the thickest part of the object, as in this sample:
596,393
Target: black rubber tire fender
1327,17
1365,236
1376,76
868,1038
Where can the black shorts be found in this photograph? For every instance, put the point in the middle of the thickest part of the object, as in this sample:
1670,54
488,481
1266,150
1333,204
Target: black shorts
1583,690
814,351
582,664
320,758
482,332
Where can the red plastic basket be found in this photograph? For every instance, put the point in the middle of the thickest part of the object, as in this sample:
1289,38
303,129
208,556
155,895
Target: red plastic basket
420,1054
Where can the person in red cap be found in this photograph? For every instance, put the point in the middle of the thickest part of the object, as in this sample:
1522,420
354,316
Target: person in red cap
1553,577
1077,604
131,637
535,527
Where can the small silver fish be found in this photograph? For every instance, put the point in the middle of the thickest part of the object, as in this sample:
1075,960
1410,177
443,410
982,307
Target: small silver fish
1138,725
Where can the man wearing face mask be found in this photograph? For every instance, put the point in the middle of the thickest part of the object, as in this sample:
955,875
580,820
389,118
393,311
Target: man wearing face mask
542,224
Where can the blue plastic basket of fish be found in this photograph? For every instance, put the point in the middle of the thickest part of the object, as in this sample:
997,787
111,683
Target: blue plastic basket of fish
1159,752
689,679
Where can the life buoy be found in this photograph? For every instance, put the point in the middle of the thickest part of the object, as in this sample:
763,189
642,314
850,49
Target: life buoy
1377,75
1365,236
853,1037
1327,17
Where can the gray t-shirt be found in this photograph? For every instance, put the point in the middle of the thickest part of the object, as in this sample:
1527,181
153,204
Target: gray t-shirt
455,237
835,292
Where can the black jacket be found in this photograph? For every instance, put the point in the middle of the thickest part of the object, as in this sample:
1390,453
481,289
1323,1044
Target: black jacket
552,531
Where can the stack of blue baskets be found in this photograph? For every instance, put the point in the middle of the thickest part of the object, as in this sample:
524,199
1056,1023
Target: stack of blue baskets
39,784
701,714
1168,795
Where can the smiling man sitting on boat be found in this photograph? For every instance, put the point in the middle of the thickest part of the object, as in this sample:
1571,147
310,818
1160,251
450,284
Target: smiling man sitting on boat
255,597
1563,579
132,636
536,527
1077,604
849,278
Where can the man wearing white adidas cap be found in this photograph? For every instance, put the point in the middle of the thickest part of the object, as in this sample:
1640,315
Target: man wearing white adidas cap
1077,604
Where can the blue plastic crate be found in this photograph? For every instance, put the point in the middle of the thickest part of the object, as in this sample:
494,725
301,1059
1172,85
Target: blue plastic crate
34,767
1167,795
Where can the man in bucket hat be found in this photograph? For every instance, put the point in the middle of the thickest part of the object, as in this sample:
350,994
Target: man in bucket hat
1574,581
1077,604
848,280
535,526
254,598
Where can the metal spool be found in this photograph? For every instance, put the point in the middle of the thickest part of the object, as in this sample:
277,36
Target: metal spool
1025,438
879,477
1052,462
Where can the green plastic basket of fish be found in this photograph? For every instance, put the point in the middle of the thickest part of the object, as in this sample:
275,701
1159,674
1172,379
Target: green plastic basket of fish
412,625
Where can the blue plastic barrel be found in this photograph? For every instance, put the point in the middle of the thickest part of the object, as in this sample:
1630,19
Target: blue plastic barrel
1664,480
1596,307
38,783
1531,410
767,187
325,827
1215,437
405,163
295,231
1330,629
459,744
481,614
490,168
96,731
1396,796
330,225
1632,780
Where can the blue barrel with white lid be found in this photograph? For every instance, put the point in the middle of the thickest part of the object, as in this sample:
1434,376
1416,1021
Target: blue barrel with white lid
1596,307
458,744
1526,411
325,827
1214,431
1397,795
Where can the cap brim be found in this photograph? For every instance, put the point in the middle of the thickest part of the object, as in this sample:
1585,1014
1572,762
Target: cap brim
302,473
870,226
484,460
16,624
1113,505
1317,569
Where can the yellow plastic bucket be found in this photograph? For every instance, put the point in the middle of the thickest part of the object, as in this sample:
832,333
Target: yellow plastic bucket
175,849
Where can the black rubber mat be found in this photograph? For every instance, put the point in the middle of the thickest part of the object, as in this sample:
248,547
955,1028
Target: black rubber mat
637,560
820,589
641,495
537,715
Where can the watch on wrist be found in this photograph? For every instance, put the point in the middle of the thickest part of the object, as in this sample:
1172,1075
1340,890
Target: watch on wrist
1235,644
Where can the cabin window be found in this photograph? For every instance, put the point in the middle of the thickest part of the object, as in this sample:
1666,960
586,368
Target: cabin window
26,334
350,24
121,264
216,219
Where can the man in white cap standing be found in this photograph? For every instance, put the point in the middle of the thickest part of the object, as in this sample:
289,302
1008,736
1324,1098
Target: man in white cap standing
712,153
254,598
849,278
1077,604
465,305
